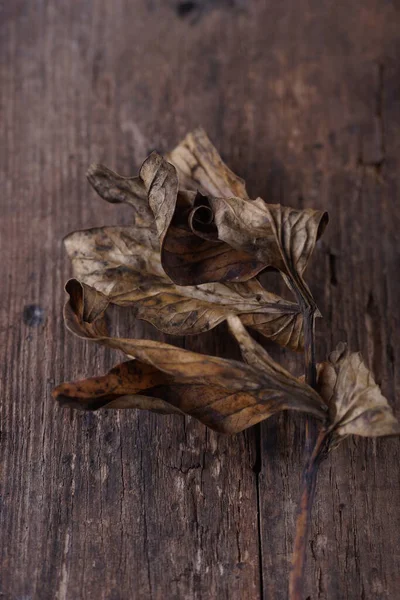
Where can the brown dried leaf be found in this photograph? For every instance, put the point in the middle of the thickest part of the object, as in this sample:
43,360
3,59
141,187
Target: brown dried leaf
219,237
117,189
254,354
124,264
188,257
128,385
225,395
285,327
277,236
206,238
200,167
356,404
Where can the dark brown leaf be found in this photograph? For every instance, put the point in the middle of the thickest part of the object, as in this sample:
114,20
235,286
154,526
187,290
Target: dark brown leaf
225,395
122,387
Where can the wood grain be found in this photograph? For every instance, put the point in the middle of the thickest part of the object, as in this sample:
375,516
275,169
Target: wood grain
302,99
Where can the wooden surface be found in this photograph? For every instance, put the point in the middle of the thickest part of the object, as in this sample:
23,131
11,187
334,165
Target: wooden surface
302,99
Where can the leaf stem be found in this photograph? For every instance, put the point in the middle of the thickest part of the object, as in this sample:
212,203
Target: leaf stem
308,309
313,440
296,580
309,346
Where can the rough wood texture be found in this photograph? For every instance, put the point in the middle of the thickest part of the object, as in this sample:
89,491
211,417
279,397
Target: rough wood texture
302,99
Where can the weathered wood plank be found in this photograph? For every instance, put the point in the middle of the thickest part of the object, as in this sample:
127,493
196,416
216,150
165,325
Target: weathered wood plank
302,100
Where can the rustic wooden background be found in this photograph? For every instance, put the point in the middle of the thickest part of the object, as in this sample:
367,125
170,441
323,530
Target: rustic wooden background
302,99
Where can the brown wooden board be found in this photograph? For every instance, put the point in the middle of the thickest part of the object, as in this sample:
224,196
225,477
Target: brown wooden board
302,99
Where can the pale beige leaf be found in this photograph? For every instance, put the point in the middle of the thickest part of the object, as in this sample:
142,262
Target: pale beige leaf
355,401
200,167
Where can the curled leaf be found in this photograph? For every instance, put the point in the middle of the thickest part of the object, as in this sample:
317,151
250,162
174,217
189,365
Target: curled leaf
189,256
219,235
124,264
355,401
211,246
207,238
225,395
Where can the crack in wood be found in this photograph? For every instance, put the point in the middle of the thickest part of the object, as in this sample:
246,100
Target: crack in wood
332,269
257,470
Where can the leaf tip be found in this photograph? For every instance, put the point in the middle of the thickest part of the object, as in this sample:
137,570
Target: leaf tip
341,351
95,170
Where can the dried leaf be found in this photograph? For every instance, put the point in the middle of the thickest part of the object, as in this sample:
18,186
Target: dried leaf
285,327
225,395
356,404
200,167
219,237
117,189
254,354
122,387
251,234
124,264
189,254
277,236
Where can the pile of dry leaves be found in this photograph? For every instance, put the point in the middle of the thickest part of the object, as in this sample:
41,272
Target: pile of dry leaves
189,261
